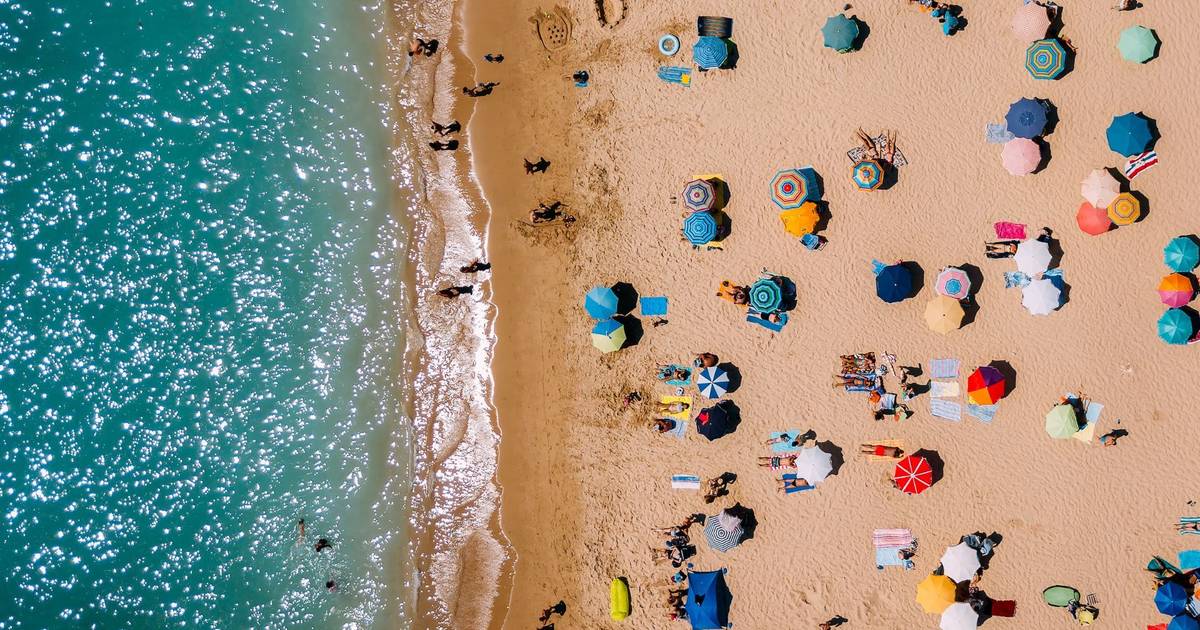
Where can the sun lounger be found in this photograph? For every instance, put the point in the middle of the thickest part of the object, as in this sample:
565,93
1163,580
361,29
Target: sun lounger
685,482
1189,560
682,416
945,409
653,306
943,389
943,368
785,447
982,413
884,458
675,74
794,489
679,382
755,318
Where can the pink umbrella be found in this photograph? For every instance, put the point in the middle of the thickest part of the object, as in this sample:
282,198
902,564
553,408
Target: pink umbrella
1030,22
1021,156
953,282
1176,290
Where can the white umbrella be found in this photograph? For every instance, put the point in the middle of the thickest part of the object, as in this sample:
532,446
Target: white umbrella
1033,256
813,465
960,562
1040,297
1100,188
959,616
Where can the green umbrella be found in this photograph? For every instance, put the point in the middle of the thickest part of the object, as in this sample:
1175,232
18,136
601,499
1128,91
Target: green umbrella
1137,44
1061,422
840,32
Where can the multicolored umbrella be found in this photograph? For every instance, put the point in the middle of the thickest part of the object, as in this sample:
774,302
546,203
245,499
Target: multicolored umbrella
1171,598
1021,156
1176,290
813,465
944,314
913,475
839,33
959,616
794,186
868,174
1100,188
960,562
893,284
1182,254
608,335
802,220
601,303
1026,118
1175,327
1030,22
710,52
1033,257
699,195
1125,209
1129,134
712,382
953,282
724,531
1062,422
700,227
1046,59
1137,44
766,296
1041,296
1093,220
935,593
985,386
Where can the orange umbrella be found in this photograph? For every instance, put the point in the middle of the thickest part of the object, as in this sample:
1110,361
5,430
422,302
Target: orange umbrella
1093,220
1176,290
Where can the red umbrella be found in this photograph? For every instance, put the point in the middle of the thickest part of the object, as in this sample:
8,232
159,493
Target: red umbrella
913,475
1093,220
985,386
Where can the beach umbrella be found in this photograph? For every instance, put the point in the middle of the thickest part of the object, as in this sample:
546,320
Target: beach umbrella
1137,44
944,314
699,195
1046,59
601,303
840,32
1171,598
959,616
1021,156
1100,188
1040,296
608,335
813,465
766,296
1183,622
893,284
960,562
913,475
1125,209
723,531
708,600
985,386
716,421
700,227
712,382
802,220
1062,422
953,282
794,186
935,593
1030,22
1175,327
1026,118
710,52
1181,254
1176,290
1093,220
868,174
1033,256
1129,134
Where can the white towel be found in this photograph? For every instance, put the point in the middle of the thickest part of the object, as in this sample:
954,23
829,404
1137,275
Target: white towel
943,389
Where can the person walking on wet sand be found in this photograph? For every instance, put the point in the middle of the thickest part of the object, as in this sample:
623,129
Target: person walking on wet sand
426,48
451,127
444,146
476,266
536,167
453,292
481,89
493,58
559,609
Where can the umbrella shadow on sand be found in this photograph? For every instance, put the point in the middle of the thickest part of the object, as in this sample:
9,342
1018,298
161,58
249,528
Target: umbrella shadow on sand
1046,153
1010,375
971,305
627,297
836,457
864,31
1145,203
734,374
633,330
746,516
935,463
918,277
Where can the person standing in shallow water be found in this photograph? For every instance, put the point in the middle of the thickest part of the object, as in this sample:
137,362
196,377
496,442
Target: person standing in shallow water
322,544
453,292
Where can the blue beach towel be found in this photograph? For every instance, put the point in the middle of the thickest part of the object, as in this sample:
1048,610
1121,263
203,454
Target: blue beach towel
1189,560
1016,280
653,306
945,409
675,382
680,428
685,482
794,489
675,74
754,318
890,557
983,413
943,368
785,447
877,267
998,133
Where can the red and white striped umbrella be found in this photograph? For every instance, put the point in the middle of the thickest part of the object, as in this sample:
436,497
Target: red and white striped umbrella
913,475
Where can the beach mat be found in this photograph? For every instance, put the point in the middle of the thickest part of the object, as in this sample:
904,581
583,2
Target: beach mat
685,482
883,458
944,389
943,368
653,306
785,447
1009,231
982,413
680,429
859,153
675,74
890,557
945,409
754,318
682,416
1189,560
680,382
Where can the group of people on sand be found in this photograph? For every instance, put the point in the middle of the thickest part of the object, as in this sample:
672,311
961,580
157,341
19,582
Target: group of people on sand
678,548
782,461
559,609
476,266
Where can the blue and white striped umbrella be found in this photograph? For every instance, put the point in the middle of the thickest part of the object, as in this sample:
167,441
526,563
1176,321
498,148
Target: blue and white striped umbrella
723,531
710,52
712,382
700,227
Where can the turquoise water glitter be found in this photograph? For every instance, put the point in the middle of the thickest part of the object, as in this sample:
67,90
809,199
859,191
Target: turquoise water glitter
203,311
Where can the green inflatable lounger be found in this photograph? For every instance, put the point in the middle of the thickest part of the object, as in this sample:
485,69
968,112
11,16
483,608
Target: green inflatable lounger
619,596
1060,596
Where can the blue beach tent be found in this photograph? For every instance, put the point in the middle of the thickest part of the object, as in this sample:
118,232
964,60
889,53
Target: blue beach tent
708,600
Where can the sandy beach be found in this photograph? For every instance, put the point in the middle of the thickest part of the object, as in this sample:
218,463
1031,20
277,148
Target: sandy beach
584,479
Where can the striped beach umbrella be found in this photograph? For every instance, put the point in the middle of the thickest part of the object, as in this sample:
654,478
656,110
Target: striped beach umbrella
1175,327
839,33
724,531
944,314
1041,296
1129,134
1021,156
710,52
953,282
1033,257
1062,422
935,593
1026,118
913,475
802,220
1100,188
893,284
766,296
700,228
985,386
699,195
601,303
1137,44
1176,290
1046,59
1093,220
813,465
1125,209
712,382
792,187
1182,254
1030,22
959,616
608,335
868,174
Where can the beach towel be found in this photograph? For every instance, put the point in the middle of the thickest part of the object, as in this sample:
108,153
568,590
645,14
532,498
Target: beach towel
890,557
680,428
945,409
711,245
1140,163
794,489
1006,230
997,133
877,266
943,368
685,482
1189,560
1053,273
859,153
943,389
896,538
755,318
653,306
679,382
675,74
1004,608
1091,417
1157,626
863,363
785,447
1016,279
983,413
1189,519
682,416
884,458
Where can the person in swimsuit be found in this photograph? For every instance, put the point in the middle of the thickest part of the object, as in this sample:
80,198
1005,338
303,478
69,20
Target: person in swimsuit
852,380
791,484
1000,249
453,292
476,266
793,441
706,360
663,425
880,450
777,461
672,407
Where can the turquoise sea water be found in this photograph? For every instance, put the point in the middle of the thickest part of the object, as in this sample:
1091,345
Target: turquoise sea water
202,313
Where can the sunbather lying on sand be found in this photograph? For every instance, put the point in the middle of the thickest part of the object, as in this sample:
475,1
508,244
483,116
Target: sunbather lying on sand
795,441
1187,527
1000,249
880,450
789,484
706,359
663,425
672,407
673,373
733,293
853,380
868,144
777,461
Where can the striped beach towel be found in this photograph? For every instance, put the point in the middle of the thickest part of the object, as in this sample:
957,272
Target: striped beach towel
1139,163
983,413
945,409
892,538
943,368
685,482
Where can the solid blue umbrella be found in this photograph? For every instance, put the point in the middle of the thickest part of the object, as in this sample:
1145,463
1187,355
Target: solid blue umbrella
893,284
712,382
1171,598
601,303
839,33
1129,134
700,227
1026,118
710,52
1175,327
717,421
1182,254
708,600
1184,622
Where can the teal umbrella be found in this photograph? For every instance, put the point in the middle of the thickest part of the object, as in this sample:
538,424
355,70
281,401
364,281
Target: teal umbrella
1182,254
840,32
1175,327
1046,59
766,296
1129,134
1137,44
601,303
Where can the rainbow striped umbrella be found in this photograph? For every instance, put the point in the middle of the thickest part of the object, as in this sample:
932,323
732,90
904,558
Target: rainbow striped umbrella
699,195
1181,254
868,174
700,227
1176,290
1175,327
794,186
1125,209
1046,59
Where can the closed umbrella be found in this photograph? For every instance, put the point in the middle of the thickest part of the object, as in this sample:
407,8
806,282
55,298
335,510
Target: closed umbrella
1062,422
986,386
1093,220
601,303
1176,290
1040,297
710,52
1046,59
839,33
935,593
1129,134
712,382
944,314
868,174
1020,156
960,562
1026,118
893,284
699,195
1137,44
724,531
700,228
608,335
1171,598
801,220
794,186
953,282
1033,256
766,296
717,421
1182,253
1030,22
1100,188
959,616
913,475
813,465
1125,209
1175,327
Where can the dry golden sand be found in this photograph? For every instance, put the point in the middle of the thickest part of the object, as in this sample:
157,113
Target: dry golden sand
584,481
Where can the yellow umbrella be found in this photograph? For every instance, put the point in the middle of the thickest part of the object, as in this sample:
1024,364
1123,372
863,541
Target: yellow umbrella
1125,209
802,220
935,593
944,314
